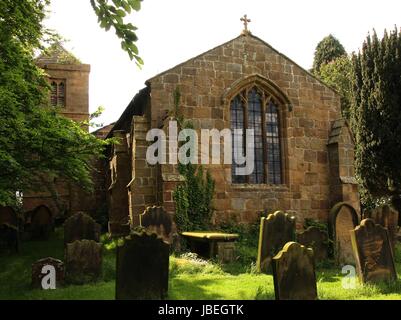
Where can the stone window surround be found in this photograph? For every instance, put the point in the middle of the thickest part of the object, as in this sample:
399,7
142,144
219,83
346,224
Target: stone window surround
284,106
59,81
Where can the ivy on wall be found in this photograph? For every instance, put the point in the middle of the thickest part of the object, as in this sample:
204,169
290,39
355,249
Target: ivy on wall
193,198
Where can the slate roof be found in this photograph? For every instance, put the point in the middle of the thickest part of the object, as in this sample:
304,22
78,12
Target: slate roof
57,54
136,107
336,131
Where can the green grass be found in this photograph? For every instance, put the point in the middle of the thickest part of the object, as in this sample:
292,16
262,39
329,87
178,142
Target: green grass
190,278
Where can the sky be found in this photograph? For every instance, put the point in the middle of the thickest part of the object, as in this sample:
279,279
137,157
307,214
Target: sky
173,31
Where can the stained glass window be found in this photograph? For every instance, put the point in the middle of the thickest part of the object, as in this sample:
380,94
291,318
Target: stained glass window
255,123
256,109
238,146
273,144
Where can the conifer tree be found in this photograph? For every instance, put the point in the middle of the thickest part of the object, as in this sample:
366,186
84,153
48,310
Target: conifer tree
376,116
327,51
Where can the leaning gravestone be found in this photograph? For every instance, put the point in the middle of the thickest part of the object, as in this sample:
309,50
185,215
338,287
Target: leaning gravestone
155,219
44,270
387,217
316,239
275,231
41,223
294,273
373,253
83,261
9,238
342,219
81,226
142,267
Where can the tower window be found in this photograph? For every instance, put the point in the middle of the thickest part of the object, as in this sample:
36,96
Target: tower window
57,93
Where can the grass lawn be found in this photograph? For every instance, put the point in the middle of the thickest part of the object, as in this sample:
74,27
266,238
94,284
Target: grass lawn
189,279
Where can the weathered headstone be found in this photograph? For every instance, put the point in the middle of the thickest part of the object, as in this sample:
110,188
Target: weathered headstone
142,267
225,252
316,239
41,223
342,219
155,219
294,273
81,226
8,216
9,238
117,229
275,231
387,217
83,261
373,254
40,270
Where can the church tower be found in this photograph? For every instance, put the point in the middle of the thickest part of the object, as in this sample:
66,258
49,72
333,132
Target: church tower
69,82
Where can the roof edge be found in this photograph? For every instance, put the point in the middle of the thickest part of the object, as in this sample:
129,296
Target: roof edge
129,109
147,82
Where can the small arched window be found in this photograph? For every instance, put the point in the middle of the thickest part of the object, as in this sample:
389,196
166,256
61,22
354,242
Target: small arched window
61,94
57,94
254,108
53,94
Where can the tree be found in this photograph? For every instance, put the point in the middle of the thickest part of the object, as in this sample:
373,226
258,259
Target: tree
338,75
326,51
376,115
36,142
112,14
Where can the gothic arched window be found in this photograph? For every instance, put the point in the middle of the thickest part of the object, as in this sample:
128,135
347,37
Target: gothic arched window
254,108
57,93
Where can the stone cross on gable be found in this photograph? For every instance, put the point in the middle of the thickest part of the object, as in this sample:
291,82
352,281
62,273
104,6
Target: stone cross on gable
245,20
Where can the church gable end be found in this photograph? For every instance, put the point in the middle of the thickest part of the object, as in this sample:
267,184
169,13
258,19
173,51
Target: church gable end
245,83
305,109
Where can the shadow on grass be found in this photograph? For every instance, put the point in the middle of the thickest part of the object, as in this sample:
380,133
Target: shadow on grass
235,268
387,287
16,268
191,289
223,287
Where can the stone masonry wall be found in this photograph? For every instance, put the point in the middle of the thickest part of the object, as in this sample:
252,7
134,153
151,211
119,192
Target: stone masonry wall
77,88
142,188
204,81
344,187
120,176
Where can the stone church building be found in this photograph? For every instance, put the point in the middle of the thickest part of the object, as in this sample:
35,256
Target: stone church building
304,151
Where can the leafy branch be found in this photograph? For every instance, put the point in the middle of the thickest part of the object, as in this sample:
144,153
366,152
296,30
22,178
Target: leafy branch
112,14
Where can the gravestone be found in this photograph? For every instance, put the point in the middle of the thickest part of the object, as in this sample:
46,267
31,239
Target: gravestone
9,238
342,219
316,239
41,223
142,267
8,216
83,261
225,252
373,253
294,273
155,219
275,231
387,217
38,272
81,226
